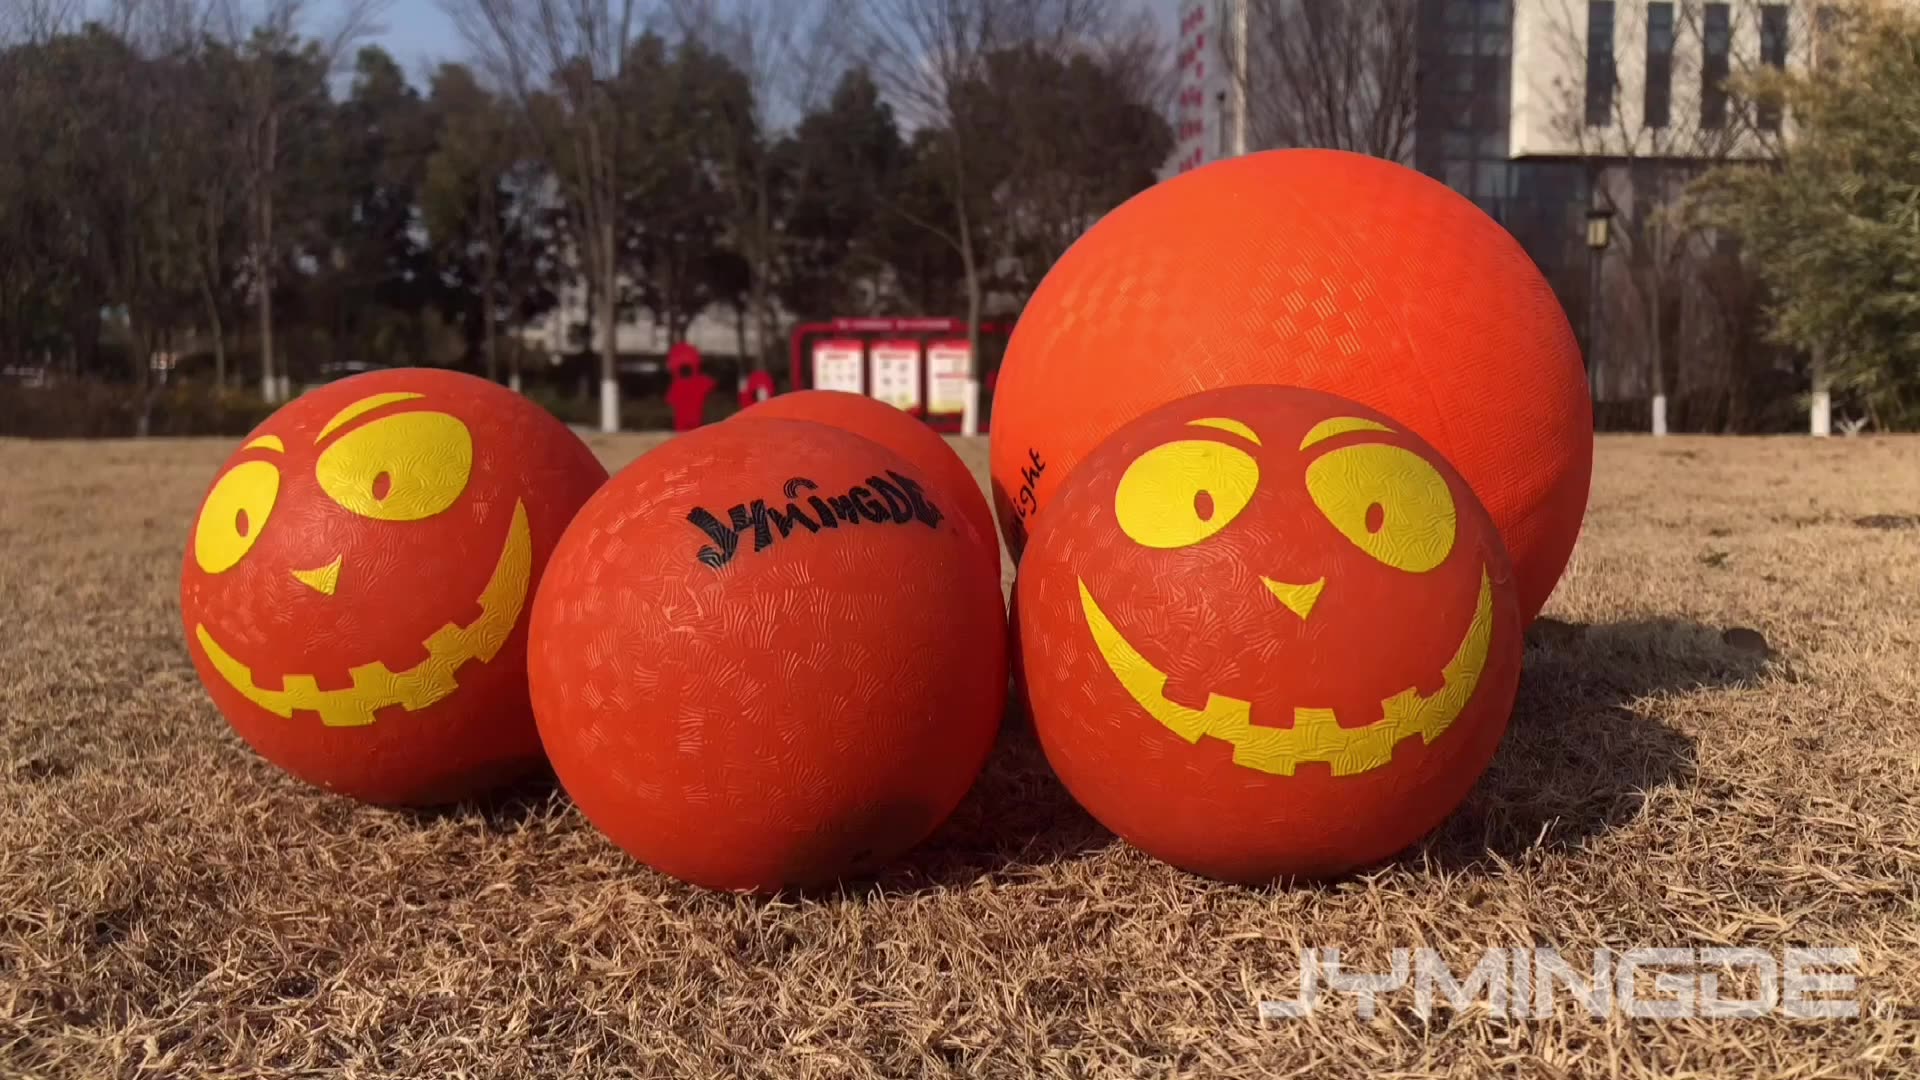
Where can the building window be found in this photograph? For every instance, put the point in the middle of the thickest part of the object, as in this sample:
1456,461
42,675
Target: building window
1600,69
1716,43
1773,53
1659,98
1826,26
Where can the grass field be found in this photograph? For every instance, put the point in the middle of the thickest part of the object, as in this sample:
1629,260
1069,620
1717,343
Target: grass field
171,906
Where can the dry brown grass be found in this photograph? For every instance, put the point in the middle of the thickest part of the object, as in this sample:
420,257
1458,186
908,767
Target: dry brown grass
174,907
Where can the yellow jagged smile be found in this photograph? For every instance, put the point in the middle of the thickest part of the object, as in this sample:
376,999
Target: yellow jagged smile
1316,735
375,686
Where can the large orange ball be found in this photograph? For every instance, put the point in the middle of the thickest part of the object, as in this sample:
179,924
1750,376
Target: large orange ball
356,587
900,432
1313,268
1266,631
767,654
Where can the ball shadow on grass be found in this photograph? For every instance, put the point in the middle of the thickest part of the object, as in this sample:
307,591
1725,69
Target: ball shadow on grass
515,804
1577,762
1016,818
1578,759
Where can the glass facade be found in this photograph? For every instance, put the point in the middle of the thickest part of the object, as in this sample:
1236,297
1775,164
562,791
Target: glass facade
1462,117
1601,74
1657,106
1773,53
1716,47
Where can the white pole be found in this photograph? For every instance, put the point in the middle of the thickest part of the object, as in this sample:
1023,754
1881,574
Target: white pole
1820,422
970,409
1659,414
609,406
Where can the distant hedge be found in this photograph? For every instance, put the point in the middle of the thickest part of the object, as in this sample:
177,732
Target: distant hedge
88,409
82,409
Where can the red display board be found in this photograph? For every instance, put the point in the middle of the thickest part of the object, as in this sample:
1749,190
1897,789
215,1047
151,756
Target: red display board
837,365
894,374
836,355
948,365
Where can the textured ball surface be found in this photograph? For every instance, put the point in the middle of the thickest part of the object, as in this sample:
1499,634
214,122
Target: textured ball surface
767,654
900,432
1315,268
1266,631
357,583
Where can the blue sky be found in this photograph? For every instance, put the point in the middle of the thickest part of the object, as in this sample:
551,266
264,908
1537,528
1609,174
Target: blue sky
419,34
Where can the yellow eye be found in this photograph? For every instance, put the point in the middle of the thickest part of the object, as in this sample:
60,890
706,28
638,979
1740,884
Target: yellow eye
1389,501
401,468
234,514
1180,493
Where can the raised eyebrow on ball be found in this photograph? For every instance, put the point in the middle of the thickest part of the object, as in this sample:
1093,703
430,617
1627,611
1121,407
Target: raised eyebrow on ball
267,442
360,408
1231,427
1340,425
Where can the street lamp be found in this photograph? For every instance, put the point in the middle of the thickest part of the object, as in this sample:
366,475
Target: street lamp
1599,235
1599,228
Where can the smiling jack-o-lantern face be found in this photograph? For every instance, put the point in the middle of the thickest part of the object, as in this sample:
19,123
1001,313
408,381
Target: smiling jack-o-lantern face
1267,631
357,579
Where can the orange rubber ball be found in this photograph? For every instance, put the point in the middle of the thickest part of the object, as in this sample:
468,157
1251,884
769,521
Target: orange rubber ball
900,432
1267,632
356,587
1314,268
768,654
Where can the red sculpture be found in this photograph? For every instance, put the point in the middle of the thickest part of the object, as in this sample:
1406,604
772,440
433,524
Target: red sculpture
687,393
757,388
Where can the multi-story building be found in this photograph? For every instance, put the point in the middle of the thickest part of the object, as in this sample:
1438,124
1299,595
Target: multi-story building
1573,123
1621,103
1209,120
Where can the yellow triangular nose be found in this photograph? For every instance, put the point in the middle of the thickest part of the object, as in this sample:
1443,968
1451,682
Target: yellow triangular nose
325,579
1298,598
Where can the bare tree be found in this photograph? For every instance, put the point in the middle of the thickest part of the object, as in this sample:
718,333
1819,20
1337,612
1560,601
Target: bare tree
1079,135
780,47
31,22
263,36
921,53
564,63
1327,73
1649,111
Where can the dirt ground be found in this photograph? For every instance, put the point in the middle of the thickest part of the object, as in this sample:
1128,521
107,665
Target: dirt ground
172,906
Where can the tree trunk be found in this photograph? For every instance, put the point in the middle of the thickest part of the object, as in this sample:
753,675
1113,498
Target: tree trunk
1657,351
263,299
140,358
740,343
970,267
762,304
970,418
609,344
489,344
489,280
218,330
